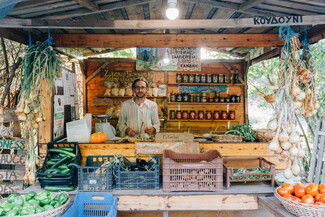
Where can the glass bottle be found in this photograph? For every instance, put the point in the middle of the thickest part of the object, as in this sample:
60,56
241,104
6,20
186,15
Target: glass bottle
221,78
172,114
203,78
197,78
178,78
209,78
185,78
227,79
173,97
215,78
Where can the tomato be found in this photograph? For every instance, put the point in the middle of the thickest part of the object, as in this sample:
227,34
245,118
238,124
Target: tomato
297,199
320,203
288,196
300,191
312,189
308,199
288,187
321,188
282,191
317,197
322,198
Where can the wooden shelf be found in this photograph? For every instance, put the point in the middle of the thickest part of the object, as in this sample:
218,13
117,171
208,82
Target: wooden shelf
209,84
176,120
204,103
129,96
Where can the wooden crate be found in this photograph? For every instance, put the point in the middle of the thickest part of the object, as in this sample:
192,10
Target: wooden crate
229,171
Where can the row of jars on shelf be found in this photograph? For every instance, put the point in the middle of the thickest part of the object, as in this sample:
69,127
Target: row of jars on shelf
201,115
207,78
203,97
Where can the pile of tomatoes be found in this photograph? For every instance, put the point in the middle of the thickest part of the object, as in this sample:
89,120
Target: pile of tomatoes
311,194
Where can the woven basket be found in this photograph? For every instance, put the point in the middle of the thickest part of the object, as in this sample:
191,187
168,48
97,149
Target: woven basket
264,135
217,137
301,209
51,213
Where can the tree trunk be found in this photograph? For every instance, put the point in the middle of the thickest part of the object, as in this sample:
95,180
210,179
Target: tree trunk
7,69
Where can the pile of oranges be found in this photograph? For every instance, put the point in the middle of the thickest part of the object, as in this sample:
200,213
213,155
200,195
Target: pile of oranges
312,194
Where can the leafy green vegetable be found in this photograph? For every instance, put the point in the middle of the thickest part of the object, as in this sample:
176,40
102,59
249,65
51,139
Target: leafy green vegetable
245,130
254,171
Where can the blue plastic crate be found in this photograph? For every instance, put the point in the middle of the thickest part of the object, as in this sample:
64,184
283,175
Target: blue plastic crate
125,179
90,204
93,177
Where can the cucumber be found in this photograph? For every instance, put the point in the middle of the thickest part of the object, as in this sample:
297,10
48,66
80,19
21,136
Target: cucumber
63,167
58,188
65,171
50,162
60,151
60,162
68,149
73,165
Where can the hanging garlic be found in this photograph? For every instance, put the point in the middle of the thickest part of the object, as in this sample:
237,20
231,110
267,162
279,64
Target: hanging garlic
297,104
289,129
294,137
38,118
35,125
272,125
274,144
293,150
287,172
286,145
22,117
285,154
301,96
301,153
26,109
295,167
283,137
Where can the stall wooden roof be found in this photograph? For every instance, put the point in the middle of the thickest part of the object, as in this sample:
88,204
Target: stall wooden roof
99,26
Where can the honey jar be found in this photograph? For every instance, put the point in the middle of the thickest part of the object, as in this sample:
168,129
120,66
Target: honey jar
185,115
178,115
200,115
216,115
223,115
208,115
232,115
192,115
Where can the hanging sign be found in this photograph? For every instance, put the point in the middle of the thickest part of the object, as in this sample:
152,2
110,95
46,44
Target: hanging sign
125,78
200,88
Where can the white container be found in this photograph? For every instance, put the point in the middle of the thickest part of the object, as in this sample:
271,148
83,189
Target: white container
80,130
106,128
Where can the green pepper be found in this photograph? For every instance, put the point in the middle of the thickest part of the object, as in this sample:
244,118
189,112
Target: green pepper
63,198
45,201
2,212
34,203
27,210
11,198
12,213
55,204
30,195
44,197
39,209
19,201
8,207
48,207
57,197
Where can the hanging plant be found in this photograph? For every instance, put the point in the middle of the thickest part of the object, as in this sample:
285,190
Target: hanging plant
40,65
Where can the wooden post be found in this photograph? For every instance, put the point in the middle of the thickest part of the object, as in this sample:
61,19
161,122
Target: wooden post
246,67
83,67
45,127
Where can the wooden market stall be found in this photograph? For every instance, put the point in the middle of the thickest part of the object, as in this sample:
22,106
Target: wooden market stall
232,27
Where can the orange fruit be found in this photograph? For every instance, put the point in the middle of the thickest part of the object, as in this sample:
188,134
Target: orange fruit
321,188
317,197
298,184
312,189
288,187
322,198
320,203
308,199
282,191
300,191
288,196
297,199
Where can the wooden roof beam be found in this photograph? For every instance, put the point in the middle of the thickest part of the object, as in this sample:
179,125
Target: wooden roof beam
87,4
249,4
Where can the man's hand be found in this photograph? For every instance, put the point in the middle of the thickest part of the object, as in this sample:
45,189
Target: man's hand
150,130
131,132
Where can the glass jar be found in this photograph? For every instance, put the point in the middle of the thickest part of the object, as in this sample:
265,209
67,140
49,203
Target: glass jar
185,78
208,115
198,97
233,98
197,78
185,97
185,115
211,99
216,99
227,99
192,115
223,115
231,115
173,97
203,78
178,78
191,97
215,78
209,78
191,78
221,78
221,99
238,98
227,79
204,97
172,114
200,115
236,78
216,115
179,115
178,97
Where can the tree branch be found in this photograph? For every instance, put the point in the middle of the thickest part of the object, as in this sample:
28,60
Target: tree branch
7,69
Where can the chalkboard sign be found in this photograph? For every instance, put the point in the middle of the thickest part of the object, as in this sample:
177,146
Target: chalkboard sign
174,137
125,78
157,148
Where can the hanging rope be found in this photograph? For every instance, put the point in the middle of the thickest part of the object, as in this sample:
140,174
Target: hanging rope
285,31
29,40
49,38
305,47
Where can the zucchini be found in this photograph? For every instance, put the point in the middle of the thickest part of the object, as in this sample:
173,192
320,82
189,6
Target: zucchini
73,165
55,159
63,167
68,149
60,162
60,151
50,162
58,188
65,171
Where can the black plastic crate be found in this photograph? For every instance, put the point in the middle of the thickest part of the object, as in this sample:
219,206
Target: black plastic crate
137,179
94,177
69,179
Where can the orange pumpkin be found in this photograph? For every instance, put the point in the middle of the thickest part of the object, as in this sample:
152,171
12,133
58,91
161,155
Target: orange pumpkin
98,137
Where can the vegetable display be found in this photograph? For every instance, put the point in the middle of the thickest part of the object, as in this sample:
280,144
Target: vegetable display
245,130
32,203
242,171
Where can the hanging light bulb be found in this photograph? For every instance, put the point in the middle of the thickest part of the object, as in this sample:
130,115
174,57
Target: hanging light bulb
166,58
172,11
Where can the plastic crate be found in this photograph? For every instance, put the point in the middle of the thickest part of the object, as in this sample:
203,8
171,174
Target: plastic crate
89,204
69,179
137,179
93,177
192,172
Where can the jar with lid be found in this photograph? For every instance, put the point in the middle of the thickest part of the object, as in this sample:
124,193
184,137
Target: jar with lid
200,115
172,114
231,115
204,97
209,78
227,99
216,115
179,115
223,115
185,78
233,98
236,78
173,97
238,98
185,97
191,78
227,79
197,78
203,78
192,114
221,78
221,99
178,78
191,97
178,97
215,78
185,115
198,97
211,99
208,115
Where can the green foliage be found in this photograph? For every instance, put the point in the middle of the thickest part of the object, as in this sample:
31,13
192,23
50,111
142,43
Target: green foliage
245,130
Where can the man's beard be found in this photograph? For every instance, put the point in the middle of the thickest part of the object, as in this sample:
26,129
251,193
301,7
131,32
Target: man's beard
144,95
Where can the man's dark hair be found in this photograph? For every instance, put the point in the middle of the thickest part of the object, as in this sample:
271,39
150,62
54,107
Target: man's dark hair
139,79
